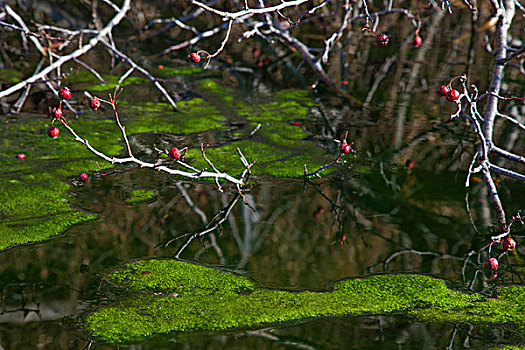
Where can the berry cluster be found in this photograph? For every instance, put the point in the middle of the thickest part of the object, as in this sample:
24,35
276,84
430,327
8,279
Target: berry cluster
53,132
508,244
452,95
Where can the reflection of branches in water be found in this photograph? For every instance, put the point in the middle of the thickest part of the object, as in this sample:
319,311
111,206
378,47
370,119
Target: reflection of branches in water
204,221
215,224
254,228
336,209
267,334
469,283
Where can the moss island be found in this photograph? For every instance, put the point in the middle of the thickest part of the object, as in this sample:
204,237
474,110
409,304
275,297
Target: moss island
175,296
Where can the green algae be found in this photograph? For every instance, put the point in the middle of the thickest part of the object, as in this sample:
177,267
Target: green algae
170,276
91,83
184,70
218,91
140,196
10,76
34,199
193,116
279,147
274,160
176,296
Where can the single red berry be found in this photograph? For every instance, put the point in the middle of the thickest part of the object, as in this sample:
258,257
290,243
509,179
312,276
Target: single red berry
417,41
94,103
53,132
195,57
382,40
443,90
83,177
174,153
453,95
491,264
21,156
56,113
509,244
64,93
344,148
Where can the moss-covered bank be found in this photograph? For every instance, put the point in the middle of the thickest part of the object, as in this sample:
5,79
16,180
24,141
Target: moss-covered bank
171,295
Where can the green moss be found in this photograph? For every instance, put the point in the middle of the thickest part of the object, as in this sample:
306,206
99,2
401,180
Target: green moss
91,83
218,91
272,159
169,295
167,71
34,200
169,276
10,76
193,116
139,196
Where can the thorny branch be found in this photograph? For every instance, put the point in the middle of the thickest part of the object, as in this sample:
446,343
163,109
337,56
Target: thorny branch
160,165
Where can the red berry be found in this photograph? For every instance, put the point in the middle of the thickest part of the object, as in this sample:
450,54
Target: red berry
53,132
443,90
195,57
344,148
491,264
453,95
94,103
174,153
83,177
382,40
56,113
64,93
417,41
21,156
509,244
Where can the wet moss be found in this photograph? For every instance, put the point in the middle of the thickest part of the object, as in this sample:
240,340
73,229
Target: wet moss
170,295
193,116
91,83
173,276
218,91
140,196
273,160
10,76
168,71
34,199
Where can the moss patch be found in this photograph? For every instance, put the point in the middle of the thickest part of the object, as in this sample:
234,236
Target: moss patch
280,146
193,116
34,200
91,83
10,76
170,295
140,196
